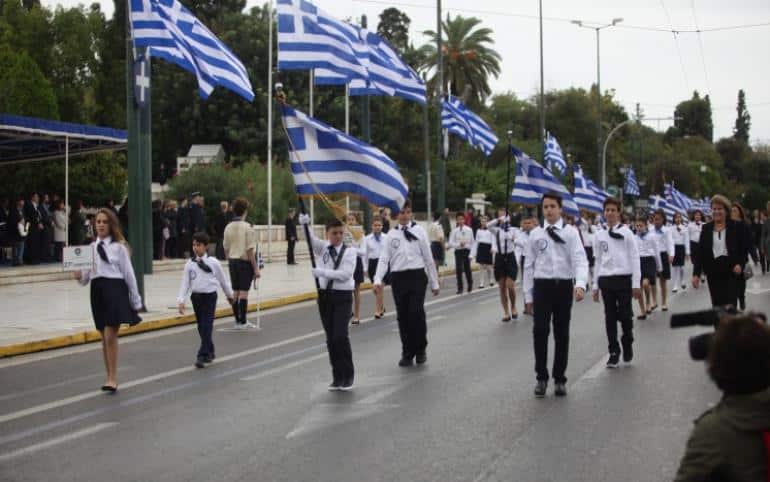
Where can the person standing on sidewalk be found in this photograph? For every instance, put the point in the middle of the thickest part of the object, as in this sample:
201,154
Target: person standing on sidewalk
555,270
618,276
291,237
202,277
335,263
240,243
407,253
115,296
436,237
461,240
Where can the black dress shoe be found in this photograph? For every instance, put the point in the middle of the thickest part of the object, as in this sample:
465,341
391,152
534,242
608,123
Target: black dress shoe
459,292
200,363
628,352
421,358
540,389
109,388
560,390
405,362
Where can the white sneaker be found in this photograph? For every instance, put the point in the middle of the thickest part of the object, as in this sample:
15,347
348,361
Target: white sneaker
238,327
248,326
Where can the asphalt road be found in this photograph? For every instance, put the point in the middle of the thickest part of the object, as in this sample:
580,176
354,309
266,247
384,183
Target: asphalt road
261,412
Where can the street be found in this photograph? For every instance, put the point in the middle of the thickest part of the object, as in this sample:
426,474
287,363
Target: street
261,411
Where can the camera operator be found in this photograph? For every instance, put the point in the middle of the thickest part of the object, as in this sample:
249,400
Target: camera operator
727,443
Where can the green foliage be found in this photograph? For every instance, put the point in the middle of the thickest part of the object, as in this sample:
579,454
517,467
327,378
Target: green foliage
24,90
693,118
743,121
394,27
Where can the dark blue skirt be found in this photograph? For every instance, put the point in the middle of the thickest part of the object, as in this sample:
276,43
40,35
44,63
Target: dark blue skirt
110,303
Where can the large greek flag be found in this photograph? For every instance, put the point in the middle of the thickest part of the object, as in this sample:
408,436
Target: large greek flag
459,120
533,180
677,200
172,33
588,195
632,187
656,202
553,156
325,160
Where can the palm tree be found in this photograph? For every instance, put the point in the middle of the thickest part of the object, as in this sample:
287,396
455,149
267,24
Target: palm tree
468,59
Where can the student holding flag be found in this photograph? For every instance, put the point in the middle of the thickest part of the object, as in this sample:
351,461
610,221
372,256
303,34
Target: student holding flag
555,271
408,254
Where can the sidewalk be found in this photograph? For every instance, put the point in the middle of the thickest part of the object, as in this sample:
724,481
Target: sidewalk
53,314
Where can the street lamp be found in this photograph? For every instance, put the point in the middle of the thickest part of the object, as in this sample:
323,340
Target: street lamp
580,23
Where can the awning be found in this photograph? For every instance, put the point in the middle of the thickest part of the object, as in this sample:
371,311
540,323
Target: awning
28,139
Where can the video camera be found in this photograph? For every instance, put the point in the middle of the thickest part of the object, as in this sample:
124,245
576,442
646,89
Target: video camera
700,345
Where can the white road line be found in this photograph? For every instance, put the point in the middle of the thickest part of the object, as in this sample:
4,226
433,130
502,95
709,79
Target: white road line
170,373
58,384
55,441
276,370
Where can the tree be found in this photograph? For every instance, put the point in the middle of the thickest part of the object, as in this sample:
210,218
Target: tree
693,118
394,27
24,90
468,58
735,154
743,121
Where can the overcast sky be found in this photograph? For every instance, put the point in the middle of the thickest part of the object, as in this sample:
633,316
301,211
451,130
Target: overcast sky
656,69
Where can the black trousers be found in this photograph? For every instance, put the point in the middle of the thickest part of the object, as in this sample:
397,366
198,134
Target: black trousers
204,306
409,296
552,303
723,284
463,265
335,307
290,251
617,296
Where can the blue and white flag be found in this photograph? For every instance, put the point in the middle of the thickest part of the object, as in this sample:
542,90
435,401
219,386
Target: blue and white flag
678,201
656,202
325,160
553,156
459,120
702,205
171,32
588,195
632,187
533,180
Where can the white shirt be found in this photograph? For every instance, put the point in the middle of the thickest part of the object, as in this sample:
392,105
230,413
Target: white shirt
681,236
195,280
373,247
664,239
617,257
544,258
588,231
507,237
403,255
343,275
461,237
118,267
694,230
483,236
647,245
719,246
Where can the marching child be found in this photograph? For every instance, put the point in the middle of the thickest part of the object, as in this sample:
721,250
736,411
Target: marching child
461,240
354,239
666,250
373,247
482,253
681,236
650,265
505,271
202,277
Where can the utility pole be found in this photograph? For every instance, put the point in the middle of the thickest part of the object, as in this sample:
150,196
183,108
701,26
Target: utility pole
366,135
542,90
441,187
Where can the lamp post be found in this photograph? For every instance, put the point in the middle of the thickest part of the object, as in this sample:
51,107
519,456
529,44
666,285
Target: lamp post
598,28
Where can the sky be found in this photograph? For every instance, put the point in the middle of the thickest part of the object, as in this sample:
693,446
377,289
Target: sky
657,69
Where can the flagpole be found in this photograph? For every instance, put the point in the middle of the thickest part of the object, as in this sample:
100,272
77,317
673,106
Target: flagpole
312,204
347,131
269,129
508,177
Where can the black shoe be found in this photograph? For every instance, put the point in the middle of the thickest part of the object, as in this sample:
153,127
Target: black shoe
560,390
334,386
540,389
507,319
209,359
459,292
613,360
641,317
109,388
421,358
346,385
200,363
628,352
470,288
405,361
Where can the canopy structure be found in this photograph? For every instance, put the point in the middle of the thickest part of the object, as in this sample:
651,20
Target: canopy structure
28,139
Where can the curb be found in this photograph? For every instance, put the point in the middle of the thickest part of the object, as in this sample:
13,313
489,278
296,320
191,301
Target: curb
91,336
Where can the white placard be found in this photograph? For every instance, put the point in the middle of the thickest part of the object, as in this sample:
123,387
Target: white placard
76,258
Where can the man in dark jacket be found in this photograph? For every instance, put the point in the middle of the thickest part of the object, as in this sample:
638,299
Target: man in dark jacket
18,231
291,237
727,443
184,240
34,241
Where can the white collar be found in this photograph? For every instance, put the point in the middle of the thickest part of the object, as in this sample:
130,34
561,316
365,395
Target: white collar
559,224
107,240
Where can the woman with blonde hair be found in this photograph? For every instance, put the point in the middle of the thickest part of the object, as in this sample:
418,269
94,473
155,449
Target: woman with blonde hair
115,296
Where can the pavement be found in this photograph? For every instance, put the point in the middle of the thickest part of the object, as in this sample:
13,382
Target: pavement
53,314
261,410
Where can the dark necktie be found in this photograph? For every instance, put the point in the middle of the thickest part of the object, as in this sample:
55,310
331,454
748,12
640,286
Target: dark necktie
333,254
377,236
615,235
199,261
552,233
409,236
102,252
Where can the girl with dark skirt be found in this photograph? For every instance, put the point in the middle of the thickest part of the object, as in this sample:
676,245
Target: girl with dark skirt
114,294
650,265
372,248
681,238
354,239
666,250
482,252
505,267
694,229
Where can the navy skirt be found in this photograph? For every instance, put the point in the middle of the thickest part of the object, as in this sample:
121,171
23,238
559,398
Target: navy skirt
648,268
666,271
372,270
110,303
484,253
358,274
505,266
678,255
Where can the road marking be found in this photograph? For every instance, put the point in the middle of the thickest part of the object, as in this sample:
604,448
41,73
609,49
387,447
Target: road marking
55,441
758,291
58,384
276,370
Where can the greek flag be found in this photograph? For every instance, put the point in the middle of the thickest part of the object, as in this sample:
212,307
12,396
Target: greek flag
325,160
553,156
656,202
702,205
678,201
632,187
588,195
458,120
533,180
171,32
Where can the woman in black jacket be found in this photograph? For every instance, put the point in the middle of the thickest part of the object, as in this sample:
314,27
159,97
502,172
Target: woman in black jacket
722,254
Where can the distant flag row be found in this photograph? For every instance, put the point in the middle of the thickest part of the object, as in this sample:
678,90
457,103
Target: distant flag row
588,195
457,119
631,187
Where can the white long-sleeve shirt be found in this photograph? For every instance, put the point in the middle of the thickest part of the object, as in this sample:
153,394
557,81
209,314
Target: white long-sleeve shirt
544,258
373,246
483,236
461,237
117,266
680,236
404,255
694,229
648,248
507,237
343,275
617,257
195,280
664,239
